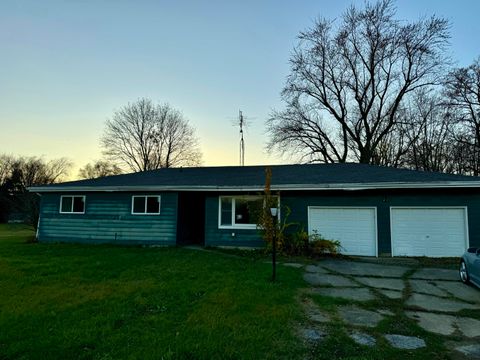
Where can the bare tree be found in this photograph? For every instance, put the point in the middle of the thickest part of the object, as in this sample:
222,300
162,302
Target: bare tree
5,167
17,174
29,171
98,169
395,145
348,82
466,158
463,95
143,136
432,146
425,137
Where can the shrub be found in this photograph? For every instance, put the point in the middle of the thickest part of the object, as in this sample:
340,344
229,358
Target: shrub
300,243
321,246
296,243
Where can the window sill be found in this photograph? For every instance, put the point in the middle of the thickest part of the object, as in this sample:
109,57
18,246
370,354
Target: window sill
238,227
145,214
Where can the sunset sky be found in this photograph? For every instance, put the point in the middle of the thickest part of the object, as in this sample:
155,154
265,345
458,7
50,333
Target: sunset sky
65,66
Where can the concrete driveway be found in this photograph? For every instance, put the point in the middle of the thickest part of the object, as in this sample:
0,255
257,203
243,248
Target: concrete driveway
434,298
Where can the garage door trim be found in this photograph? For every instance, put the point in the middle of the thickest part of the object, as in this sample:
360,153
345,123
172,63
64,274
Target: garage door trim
374,208
465,208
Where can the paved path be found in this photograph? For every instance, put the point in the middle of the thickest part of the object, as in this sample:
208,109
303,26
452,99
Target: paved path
430,297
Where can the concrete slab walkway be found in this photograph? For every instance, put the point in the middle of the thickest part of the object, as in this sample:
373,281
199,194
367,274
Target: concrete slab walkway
431,297
364,269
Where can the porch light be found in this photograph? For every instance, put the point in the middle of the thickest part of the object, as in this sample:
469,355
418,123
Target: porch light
274,211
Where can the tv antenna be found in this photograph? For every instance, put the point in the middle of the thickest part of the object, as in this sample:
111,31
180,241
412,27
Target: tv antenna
241,123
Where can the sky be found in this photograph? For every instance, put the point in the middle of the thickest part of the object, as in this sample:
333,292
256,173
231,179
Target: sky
66,66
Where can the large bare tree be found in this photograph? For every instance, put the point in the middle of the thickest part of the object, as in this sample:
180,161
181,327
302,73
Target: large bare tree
349,80
144,136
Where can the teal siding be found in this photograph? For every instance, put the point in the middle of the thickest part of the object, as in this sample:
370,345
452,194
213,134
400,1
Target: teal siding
108,219
223,237
298,202
382,200
108,216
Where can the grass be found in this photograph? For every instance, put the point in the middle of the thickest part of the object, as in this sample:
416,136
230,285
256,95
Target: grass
338,344
60,301
264,255
446,263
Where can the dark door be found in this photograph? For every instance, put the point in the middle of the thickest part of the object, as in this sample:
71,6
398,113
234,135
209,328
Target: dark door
191,218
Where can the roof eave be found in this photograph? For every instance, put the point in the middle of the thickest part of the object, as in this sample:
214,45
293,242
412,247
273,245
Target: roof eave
296,187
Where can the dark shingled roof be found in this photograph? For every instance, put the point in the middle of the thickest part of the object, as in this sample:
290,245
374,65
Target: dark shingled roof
254,177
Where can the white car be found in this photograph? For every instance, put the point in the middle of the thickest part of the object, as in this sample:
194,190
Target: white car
470,267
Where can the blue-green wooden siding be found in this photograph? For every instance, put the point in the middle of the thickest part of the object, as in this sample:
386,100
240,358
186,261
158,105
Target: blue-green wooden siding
383,200
108,214
298,203
226,237
108,219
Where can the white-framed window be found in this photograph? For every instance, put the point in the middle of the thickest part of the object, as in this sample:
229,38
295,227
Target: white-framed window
239,212
72,204
145,204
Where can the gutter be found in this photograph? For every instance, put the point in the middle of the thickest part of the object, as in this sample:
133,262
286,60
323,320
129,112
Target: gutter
286,187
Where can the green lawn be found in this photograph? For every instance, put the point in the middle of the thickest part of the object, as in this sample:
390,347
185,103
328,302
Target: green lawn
107,302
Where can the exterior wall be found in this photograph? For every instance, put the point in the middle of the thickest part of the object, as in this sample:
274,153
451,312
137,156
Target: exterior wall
108,219
383,200
226,237
298,203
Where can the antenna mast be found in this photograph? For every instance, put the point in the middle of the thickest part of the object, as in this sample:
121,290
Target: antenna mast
242,142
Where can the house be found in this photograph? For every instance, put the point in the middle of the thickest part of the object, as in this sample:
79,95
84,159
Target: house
372,210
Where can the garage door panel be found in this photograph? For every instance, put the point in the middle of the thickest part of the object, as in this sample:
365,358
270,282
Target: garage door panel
433,232
355,228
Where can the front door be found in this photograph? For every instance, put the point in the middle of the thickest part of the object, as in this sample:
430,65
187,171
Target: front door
191,219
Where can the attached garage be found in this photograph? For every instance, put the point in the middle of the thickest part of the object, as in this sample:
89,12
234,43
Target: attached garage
429,231
354,227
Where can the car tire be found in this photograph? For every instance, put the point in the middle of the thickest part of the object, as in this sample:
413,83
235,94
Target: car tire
463,272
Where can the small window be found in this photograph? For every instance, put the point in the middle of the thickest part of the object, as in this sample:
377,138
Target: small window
72,204
149,205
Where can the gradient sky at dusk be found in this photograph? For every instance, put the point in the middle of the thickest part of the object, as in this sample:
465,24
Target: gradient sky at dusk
66,65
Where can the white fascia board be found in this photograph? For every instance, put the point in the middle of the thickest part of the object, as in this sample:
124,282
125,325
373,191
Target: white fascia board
297,187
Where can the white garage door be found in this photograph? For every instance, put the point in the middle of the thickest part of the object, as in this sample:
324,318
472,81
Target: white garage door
433,232
354,227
